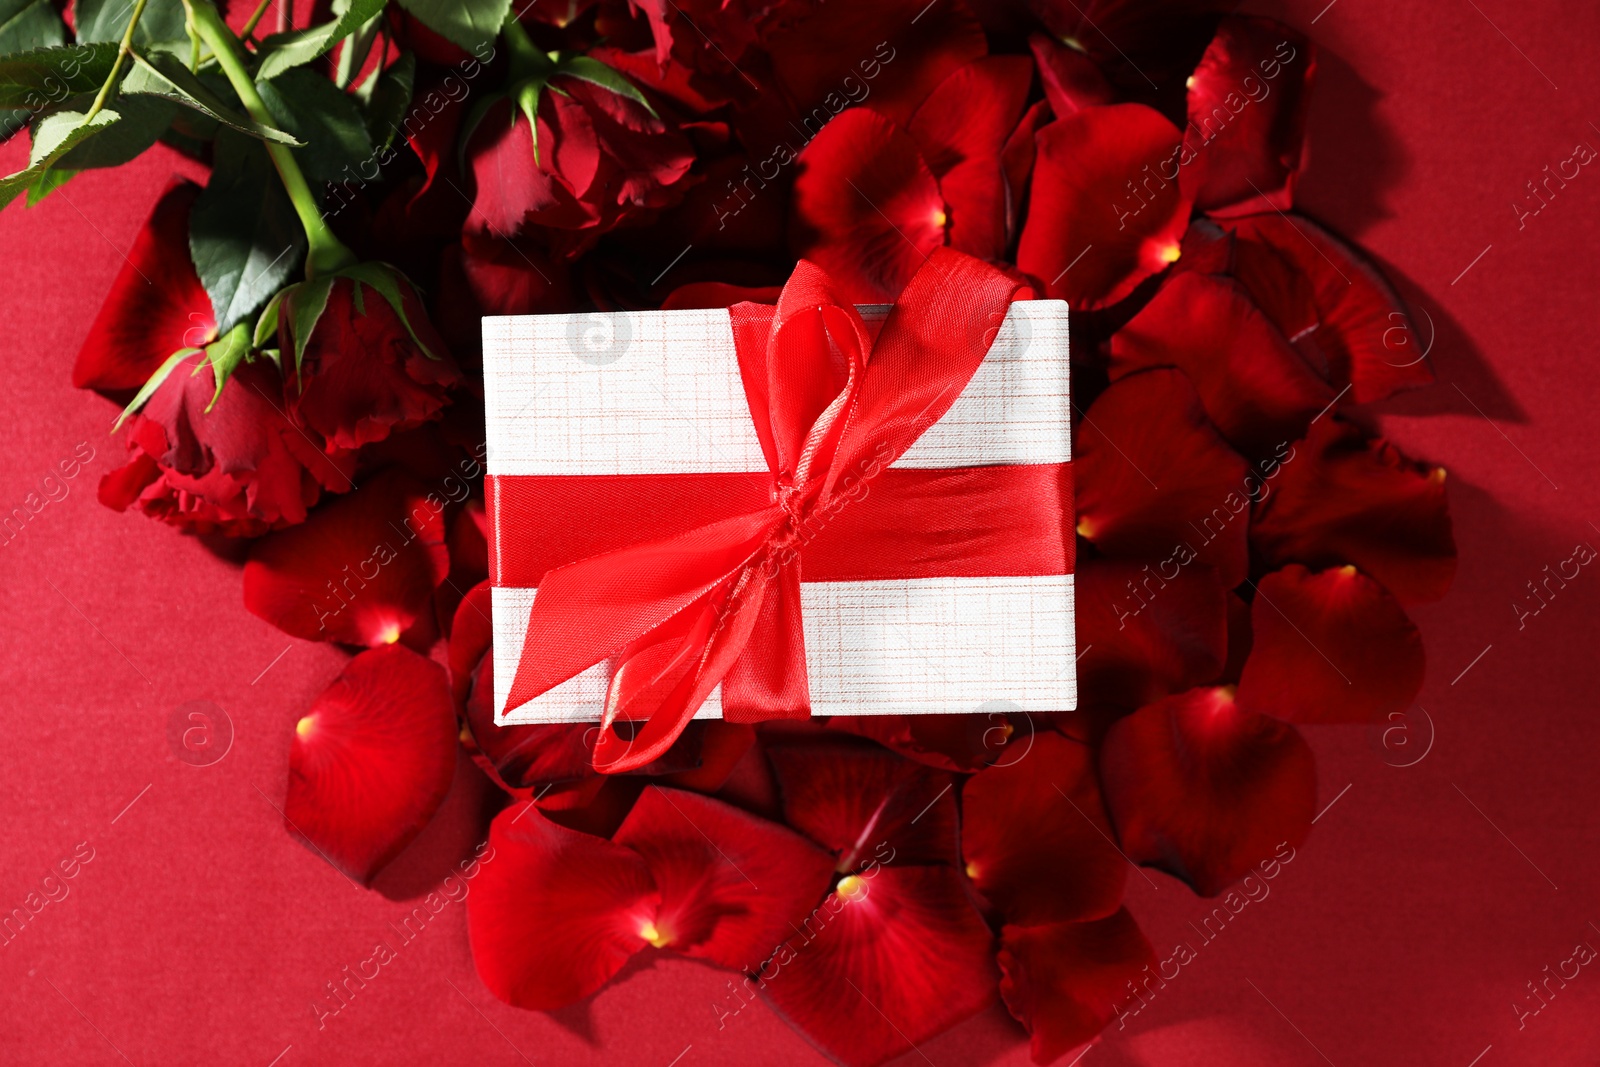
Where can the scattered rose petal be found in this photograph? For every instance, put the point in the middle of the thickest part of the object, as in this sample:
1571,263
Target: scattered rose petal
961,130
718,295
372,760
555,912
962,743
888,44
1257,390
1155,481
1205,790
733,886
1247,117
892,957
1065,981
1071,80
1329,647
1035,836
156,305
866,208
359,572
1147,631
866,804
1088,238
1364,336
1342,497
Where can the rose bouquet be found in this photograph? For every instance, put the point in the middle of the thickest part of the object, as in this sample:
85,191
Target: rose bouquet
295,349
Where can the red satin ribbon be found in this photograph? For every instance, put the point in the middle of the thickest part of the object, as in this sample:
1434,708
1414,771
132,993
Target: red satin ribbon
719,601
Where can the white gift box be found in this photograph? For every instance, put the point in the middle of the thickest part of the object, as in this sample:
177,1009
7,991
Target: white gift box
659,392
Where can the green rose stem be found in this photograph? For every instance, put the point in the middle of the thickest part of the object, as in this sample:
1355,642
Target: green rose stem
327,253
255,18
116,67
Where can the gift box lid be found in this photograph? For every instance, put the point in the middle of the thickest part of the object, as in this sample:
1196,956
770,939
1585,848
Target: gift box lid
659,393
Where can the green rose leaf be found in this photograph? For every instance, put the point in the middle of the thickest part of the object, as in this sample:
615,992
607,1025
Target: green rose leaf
143,120
25,25
161,74
468,23
283,51
54,137
107,20
244,236
327,119
46,76
388,98
597,73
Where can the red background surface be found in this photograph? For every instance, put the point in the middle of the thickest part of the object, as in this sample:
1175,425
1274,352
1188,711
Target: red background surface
1401,933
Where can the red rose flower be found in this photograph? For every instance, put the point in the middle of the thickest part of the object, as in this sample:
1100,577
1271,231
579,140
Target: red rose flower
231,463
370,365
601,158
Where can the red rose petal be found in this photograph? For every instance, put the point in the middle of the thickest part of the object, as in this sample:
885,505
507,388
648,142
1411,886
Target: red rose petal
1247,129
962,743
733,886
723,745
1344,498
526,756
1081,205
1157,482
156,305
1071,80
1205,790
893,957
865,803
718,295
372,760
1036,839
488,275
359,571
898,50
555,913
1329,647
1064,981
1141,46
1364,336
866,208
961,130
1017,160
1257,390
1147,631
1239,639
471,636
1283,293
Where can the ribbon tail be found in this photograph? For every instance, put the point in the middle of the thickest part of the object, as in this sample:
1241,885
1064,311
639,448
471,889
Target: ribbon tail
597,608
720,635
769,680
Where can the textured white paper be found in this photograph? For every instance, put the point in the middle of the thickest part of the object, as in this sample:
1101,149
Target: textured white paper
659,392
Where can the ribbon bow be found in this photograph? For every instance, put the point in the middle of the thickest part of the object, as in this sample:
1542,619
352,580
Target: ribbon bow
720,603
